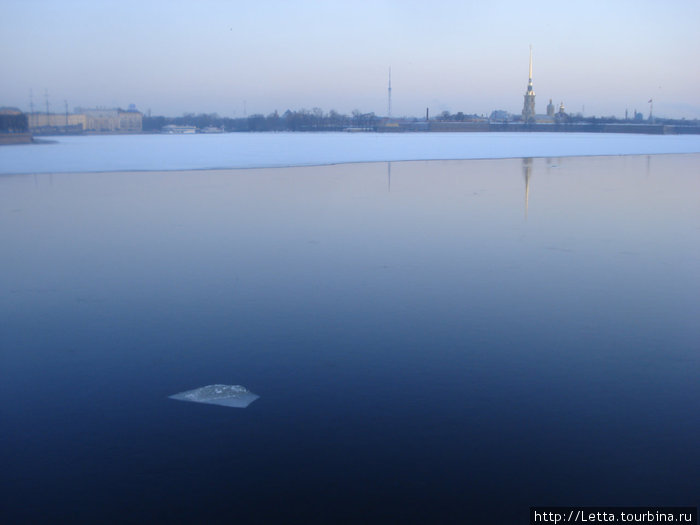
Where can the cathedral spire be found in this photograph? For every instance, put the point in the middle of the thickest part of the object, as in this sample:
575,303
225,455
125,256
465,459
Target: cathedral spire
529,104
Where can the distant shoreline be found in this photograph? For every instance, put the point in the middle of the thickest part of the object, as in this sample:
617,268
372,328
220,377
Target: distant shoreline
439,127
504,127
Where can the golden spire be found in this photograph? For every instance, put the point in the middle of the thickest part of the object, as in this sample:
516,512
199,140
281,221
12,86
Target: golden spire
529,103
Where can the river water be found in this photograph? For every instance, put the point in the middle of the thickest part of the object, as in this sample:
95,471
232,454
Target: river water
446,341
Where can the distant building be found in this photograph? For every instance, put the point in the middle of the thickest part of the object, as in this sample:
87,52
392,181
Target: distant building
550,109
529,116
529,104
114,120
130,121
499,115
100,119
12,120
56,120
174,129
88,119
13,126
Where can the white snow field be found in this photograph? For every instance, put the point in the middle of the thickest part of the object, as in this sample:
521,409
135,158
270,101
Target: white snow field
99,153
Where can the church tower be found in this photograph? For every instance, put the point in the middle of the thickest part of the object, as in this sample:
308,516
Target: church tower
550,109
529,105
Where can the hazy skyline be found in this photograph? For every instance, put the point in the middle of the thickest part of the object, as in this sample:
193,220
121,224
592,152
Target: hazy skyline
215,57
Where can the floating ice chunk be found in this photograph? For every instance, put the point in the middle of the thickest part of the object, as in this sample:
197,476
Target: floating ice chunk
227,395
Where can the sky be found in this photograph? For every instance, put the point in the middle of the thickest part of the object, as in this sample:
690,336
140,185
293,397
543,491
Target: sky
238,58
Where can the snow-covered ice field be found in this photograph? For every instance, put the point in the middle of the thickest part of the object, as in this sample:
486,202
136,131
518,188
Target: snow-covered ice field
99,153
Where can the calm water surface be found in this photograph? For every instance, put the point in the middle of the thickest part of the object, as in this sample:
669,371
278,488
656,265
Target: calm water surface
431,341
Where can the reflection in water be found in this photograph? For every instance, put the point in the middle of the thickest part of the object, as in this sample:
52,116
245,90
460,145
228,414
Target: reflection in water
388,175
527,171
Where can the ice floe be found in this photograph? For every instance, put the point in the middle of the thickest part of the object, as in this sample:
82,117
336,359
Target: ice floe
226,395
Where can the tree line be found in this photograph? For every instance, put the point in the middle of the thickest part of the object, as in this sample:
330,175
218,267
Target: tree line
302,120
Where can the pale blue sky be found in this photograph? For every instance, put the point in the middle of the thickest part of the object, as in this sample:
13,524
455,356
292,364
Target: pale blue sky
211,56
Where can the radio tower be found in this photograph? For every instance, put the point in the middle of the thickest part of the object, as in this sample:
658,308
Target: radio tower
31,108
389,90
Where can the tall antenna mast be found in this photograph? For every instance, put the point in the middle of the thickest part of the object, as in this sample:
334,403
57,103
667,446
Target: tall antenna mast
46,94
389,90
31,108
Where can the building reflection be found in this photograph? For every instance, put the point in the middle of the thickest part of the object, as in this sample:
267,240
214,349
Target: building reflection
527,173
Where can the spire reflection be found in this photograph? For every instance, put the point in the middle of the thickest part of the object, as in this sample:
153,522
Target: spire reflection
527,171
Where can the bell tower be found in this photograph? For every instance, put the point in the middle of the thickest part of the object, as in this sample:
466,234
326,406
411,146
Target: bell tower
529,105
